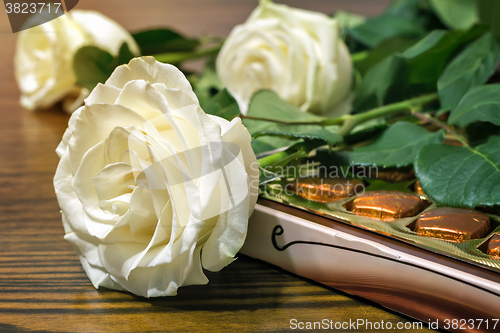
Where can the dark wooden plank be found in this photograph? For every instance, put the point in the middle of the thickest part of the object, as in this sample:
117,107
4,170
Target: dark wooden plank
42,286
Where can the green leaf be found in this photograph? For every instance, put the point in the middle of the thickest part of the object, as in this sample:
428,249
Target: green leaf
376,85
471,68
417,11
266,144
378,29
428,57
427,43
382,51
222,105
163,40
456,14
478,133
366,131
480,104
308,132
208,84
269,108
396,147
409,9
461,176
413,72
403,18
265,104
93,65
489,10
124,55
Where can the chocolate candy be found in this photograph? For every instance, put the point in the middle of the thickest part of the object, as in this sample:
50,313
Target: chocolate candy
453,224
395,176
390,175
326,189
494,246
387,205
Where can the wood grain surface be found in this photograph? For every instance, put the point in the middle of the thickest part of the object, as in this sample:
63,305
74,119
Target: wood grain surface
42,286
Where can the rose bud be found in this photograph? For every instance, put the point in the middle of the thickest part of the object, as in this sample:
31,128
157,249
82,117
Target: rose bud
298,54
43,62
151,188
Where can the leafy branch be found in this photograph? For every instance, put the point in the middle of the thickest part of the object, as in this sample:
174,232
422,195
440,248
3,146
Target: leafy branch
349,121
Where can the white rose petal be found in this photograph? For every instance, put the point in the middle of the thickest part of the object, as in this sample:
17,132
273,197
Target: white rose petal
152,189
296,53
43,61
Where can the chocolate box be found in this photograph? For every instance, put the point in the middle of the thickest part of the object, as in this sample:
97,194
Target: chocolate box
459,290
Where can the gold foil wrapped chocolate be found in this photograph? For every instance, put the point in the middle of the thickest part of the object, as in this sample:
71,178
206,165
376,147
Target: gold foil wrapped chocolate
494,246
453,224
390,175
387,205
395,176
326,189
394,213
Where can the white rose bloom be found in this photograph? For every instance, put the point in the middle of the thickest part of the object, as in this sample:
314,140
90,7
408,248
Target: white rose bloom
43,61
296,53
151,188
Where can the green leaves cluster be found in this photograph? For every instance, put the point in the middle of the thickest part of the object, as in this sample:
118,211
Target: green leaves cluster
406,19
471,68
400,61
93,65
416,18
422,69
469,175
479,104
457,64
411,72
456,14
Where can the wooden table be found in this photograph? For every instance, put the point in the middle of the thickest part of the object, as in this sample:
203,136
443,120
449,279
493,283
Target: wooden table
42,286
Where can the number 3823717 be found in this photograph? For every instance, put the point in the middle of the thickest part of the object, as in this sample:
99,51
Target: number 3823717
31,8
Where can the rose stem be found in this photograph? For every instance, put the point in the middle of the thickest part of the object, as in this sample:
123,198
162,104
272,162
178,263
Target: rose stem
350,121
428,118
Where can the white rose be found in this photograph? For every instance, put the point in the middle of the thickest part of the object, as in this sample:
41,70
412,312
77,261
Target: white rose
296,53
44,56
151,188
